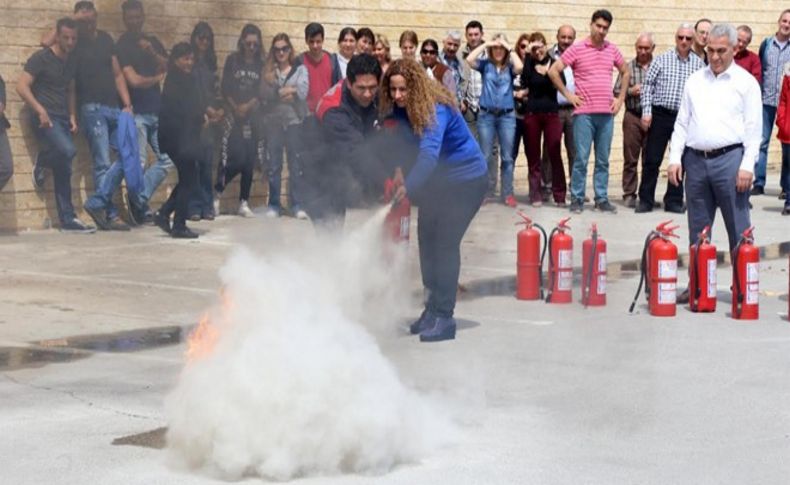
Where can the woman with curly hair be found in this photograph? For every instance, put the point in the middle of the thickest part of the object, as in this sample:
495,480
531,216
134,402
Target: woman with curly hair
447,181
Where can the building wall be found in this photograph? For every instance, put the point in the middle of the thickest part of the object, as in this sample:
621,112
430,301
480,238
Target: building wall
22,24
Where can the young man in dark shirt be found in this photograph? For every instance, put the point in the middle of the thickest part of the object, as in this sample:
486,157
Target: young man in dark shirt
100,85
143,60
47,86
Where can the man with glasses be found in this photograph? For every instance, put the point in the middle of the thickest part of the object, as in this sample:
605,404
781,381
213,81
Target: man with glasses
701,30
429,54
661,94
143,60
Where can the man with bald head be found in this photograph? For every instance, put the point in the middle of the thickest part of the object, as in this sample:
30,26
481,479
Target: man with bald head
634,134
661,94
746,58
566,36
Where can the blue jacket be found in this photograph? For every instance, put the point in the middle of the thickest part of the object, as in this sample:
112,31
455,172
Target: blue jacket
129,153
447,151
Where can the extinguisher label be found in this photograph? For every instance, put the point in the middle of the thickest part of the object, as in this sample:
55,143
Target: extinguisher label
601,262
711,278
667,293
752,272
752,293
565,258
565,280
667,269
602,284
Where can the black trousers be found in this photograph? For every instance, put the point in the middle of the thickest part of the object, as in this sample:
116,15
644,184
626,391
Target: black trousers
443,217
182,193
658,138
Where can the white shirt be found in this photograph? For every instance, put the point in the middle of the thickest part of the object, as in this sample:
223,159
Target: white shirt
717,111
343,63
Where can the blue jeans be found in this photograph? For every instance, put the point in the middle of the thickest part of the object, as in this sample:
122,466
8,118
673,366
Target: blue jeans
760,168
589,129
504,127
147,129
99,124
201,202
56,152
286,140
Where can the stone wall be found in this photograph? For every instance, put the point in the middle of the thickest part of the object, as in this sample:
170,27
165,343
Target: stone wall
23,22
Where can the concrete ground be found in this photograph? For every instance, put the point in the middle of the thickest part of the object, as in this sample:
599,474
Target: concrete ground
92,330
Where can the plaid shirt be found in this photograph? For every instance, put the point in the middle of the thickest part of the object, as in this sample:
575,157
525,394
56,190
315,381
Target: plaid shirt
664,82
474,86
638,74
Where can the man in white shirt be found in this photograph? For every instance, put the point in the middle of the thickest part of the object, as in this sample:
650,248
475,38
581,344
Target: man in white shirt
716,140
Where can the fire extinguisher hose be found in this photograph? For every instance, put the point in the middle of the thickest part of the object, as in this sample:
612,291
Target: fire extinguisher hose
542,256
588,283
551,265
652,235
694,300
736,277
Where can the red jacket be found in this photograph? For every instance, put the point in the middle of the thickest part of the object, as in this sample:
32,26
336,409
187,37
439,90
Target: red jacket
782,115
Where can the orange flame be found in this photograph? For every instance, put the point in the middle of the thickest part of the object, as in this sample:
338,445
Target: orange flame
203,339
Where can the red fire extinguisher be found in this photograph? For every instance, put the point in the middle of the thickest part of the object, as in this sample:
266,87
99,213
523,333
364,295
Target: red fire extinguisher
594,270
660,271
560,264
529,262
398,220
746,278
702,274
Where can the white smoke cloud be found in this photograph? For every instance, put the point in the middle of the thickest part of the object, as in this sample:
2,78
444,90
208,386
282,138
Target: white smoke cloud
296,384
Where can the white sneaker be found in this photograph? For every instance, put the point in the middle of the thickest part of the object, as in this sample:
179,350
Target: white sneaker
272,213
244,209
216,206
300,214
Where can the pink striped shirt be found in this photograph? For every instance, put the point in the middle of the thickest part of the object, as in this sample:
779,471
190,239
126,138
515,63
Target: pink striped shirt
592,72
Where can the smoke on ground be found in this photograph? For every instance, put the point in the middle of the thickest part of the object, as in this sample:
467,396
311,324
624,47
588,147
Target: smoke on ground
285,377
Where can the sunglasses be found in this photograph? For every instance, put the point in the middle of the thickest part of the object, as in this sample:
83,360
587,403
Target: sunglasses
281,50
685,37
428,52
523,46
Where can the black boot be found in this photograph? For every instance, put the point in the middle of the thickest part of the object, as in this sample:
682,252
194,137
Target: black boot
183,233
162,221
426,321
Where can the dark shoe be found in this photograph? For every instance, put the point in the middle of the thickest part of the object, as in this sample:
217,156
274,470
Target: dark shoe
38,176
183,233
605,206
786,211
675,209
683,297
116,224
99,217
426,321
782,195
209,216
162,221
443,329
577,206
193,218
757,190
148,217
642,207
136,214
76,226
630,201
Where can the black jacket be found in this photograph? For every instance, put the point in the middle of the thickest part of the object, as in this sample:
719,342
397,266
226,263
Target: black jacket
4,124
181,116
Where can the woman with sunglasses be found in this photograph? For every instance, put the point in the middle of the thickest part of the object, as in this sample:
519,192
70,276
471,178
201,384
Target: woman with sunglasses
429,53
242,139
201,206
447,182
497,117
181,119
542,125
284,88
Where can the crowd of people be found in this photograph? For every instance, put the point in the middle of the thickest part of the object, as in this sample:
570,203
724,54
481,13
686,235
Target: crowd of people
271,106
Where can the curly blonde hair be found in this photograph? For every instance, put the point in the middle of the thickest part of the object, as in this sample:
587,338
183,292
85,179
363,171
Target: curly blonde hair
423,94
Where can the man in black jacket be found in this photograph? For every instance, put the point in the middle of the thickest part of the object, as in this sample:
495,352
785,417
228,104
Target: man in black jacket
349,168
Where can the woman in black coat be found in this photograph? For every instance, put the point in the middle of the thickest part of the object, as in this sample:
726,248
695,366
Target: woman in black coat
181,119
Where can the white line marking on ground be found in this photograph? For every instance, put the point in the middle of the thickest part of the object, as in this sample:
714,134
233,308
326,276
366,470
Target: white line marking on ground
91,279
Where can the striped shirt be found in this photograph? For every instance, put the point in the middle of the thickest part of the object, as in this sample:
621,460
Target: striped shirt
774,58
638,73
665,79
592,72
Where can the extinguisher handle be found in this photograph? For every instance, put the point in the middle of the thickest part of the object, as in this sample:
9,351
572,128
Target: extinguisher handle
526,218
563,224
748,234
